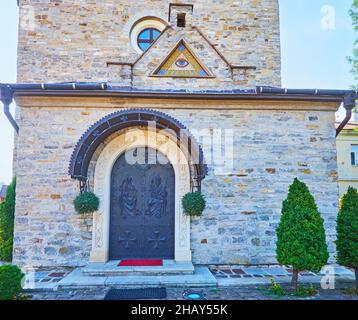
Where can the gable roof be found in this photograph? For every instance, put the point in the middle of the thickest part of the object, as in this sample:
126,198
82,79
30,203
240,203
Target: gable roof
203,36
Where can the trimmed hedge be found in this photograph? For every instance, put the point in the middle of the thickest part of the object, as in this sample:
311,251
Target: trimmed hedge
10,282
193,204
86,202
7,214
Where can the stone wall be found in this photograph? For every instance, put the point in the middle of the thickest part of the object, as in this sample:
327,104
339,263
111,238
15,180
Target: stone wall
65,40
348,174
273,144
223,76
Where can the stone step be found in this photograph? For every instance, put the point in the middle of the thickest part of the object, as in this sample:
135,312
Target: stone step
112,269
77,279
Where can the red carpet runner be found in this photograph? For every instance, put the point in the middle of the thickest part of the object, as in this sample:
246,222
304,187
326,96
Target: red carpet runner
141,263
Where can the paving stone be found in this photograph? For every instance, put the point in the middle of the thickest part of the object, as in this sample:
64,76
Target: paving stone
59,274
255,271
239,271
276,271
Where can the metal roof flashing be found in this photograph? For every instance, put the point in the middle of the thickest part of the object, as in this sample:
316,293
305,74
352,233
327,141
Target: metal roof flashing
112,89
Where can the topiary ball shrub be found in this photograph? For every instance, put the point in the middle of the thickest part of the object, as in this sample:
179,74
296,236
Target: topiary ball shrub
86,202
193,204
10,282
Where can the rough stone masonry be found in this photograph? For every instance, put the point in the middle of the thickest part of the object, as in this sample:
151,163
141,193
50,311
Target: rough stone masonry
273,141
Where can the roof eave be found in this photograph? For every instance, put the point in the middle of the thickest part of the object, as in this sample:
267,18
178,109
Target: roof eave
102,89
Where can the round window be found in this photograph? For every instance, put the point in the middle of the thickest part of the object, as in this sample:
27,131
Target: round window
147,37
145,31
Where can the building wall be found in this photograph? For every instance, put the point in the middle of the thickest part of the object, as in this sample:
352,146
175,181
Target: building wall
73,40
274,142
348,174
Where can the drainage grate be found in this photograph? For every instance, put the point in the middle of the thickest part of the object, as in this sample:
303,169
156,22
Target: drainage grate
136,294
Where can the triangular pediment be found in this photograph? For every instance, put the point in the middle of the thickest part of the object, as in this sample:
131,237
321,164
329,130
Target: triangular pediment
182,63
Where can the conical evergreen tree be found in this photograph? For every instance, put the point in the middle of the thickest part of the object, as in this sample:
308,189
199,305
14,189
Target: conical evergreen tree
347,232
301,239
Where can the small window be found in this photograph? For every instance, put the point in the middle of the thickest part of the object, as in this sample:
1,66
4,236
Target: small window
354,155
181,20
144,32
147,37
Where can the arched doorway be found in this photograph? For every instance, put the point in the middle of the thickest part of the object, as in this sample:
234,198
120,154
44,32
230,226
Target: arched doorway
128,140
102,144
142,206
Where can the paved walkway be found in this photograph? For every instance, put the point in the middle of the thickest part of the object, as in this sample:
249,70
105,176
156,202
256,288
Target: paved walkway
233,283
239,275
225,276
46,279
240,293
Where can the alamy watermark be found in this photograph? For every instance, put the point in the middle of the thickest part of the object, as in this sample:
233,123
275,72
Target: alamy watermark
328,281
29,279
27,18
217,144
328,19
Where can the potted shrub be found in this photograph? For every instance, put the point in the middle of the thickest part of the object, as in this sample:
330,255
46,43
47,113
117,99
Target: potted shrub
193,204
86,202
10,282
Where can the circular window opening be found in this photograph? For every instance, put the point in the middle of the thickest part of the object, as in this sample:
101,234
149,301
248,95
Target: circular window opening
145,31
147,37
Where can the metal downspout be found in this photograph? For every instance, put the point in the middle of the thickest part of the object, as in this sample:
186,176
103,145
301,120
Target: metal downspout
349,103
6,97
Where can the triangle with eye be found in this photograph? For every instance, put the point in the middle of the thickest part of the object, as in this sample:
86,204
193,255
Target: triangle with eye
182,63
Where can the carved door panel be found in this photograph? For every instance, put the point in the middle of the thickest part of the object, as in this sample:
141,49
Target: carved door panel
142,209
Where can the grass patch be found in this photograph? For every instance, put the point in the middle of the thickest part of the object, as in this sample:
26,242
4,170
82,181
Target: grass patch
303,291
23,296
350,291
277,291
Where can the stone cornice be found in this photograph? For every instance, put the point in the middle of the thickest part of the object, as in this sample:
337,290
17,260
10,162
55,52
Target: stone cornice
245,103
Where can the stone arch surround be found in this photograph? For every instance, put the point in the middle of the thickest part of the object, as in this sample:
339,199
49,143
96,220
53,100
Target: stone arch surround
138,137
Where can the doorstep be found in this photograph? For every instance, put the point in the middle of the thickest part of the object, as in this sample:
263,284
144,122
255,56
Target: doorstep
111,268
201,277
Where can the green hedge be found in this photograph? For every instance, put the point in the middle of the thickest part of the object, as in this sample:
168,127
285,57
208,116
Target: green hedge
10,282
7,214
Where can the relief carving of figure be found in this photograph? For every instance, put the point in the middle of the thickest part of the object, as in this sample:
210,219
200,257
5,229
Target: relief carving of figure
128,198
157,201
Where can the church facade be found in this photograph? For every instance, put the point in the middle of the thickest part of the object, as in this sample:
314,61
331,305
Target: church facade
193,85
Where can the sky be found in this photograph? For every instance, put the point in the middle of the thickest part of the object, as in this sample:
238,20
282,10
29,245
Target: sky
316,39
